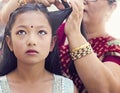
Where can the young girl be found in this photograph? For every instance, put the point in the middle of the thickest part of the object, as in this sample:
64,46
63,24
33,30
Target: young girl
28,40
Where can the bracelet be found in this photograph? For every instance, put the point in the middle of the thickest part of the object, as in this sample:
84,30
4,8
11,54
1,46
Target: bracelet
81,51
21,2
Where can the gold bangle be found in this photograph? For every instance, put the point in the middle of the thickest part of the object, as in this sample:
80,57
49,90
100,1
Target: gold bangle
82,46
21,2
81,51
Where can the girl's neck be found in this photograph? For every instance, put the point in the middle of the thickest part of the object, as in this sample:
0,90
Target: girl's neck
30,74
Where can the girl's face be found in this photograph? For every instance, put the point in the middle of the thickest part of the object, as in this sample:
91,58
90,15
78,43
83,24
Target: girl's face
97,11
31,37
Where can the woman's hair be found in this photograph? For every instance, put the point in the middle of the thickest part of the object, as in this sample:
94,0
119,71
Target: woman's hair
55,19
111,1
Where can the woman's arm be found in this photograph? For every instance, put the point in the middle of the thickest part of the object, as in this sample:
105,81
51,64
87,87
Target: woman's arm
7,9
11,5
97,77
75,89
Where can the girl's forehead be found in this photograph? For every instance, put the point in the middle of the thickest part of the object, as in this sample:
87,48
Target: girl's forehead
32,17
33,13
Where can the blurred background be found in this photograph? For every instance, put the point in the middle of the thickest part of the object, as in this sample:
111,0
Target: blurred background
113,25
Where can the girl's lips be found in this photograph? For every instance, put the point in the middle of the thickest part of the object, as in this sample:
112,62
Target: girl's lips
31,52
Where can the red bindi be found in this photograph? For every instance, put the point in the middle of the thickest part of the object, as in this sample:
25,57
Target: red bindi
31,26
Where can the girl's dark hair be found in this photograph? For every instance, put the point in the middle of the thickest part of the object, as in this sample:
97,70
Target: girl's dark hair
55,18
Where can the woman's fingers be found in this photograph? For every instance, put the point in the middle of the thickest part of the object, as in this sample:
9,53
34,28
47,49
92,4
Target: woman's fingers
48,3
59,4
74,20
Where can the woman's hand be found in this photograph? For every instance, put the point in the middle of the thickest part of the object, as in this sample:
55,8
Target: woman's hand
48,3
74,20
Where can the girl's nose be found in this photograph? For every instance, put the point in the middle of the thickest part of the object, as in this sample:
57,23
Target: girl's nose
31,41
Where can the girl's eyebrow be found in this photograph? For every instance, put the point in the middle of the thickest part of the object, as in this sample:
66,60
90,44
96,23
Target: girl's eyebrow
22,26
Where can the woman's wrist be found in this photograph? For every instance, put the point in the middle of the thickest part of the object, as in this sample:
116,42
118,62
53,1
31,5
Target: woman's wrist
76,40
81,51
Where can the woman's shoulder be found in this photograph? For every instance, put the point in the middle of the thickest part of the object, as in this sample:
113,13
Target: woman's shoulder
114,42
62,83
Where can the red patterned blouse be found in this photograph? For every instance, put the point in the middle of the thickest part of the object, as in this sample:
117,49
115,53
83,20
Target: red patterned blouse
106,48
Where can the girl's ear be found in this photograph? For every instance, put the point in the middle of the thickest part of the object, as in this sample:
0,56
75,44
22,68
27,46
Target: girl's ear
54,38
9,42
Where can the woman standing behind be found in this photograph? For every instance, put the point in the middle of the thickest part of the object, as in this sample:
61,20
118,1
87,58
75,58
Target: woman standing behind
97,75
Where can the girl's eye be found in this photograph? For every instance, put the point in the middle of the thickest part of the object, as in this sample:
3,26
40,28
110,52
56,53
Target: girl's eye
21,32
42,32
